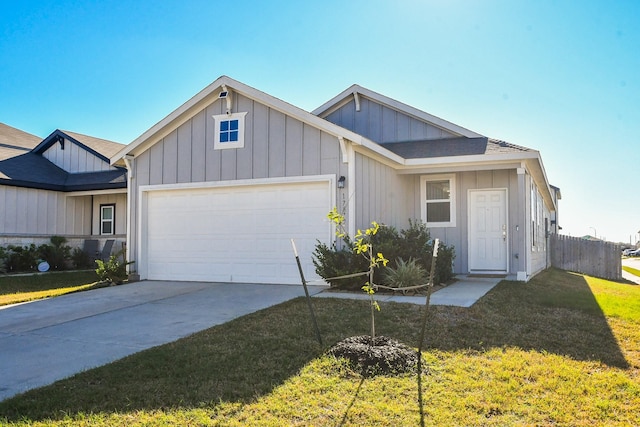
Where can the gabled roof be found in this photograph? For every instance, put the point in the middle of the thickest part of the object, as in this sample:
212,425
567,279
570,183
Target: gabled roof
100,148
26,167
209,94
356,91
469,148
14,142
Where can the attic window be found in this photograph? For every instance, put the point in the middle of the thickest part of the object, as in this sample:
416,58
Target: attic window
228,131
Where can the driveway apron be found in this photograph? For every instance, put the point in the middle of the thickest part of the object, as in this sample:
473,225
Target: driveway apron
44,341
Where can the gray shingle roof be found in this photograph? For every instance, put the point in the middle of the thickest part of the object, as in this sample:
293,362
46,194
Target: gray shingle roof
22,163
447,147
14,142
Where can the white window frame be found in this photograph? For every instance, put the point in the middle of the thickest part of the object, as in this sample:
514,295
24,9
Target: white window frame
218,119
452,199
112,220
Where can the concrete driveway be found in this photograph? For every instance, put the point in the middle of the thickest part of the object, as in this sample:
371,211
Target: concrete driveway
44,341
48,340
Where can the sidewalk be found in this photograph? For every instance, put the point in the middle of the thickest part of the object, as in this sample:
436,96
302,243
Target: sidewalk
465,292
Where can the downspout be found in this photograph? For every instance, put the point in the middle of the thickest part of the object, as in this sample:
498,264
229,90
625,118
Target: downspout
130,164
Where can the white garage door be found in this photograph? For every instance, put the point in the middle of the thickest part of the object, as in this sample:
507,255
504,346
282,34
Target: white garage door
235,234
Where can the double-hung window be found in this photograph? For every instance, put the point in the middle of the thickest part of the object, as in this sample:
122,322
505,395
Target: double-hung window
437,197
228,131
107,219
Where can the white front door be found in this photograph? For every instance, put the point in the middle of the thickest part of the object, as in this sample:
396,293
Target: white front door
488,239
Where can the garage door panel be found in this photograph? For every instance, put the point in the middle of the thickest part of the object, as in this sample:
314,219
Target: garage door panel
236,234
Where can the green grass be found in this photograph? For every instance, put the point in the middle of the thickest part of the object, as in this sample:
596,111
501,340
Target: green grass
563,349
17,289
631,270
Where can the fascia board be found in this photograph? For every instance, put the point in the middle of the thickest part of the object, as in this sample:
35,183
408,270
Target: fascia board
475,159
465,167
96,192
159,130
51,140
336,102
343,97
181,115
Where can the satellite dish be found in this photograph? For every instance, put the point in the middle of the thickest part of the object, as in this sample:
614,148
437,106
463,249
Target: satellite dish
43,266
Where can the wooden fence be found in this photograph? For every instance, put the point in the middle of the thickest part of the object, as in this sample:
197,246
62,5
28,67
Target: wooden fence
592,257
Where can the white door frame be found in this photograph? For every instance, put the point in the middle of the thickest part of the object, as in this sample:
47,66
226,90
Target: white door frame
505,230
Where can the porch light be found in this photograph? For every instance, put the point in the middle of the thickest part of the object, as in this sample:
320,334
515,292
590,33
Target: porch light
341,181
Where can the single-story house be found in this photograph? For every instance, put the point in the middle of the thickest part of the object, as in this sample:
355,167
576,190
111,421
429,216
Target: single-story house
219,187
61,185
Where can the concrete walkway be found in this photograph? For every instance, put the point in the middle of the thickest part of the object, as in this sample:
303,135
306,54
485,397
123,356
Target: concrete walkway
462,293
48,340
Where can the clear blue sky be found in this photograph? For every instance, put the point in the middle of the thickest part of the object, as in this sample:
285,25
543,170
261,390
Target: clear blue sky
561,77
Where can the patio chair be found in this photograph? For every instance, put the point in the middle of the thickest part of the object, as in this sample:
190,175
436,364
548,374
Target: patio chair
106,249
90,247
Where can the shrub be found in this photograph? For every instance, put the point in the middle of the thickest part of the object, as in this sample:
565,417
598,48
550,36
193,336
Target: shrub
22,258
56,254
331,261
406,274
412,243
113,270
80,258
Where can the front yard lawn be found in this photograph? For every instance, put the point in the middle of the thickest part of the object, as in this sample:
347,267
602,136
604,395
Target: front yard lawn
563,349
23,288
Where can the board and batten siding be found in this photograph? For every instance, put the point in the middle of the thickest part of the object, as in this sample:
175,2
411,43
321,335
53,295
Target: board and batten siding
74,159
382,124
120,200
380,194
457,236
31,211
275,145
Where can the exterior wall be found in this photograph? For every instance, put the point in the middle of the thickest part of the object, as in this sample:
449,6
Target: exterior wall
120,200
383,124
540,214
381,194
74,159
275,145
458,236
33,216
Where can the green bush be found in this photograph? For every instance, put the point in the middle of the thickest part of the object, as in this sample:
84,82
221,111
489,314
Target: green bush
22,258
113,270
412,243
56,254
81,259
406,274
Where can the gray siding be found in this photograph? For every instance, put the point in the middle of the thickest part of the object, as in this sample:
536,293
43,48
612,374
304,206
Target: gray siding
32,212
457,236
276,145
74,159
120,200
382,124
381,194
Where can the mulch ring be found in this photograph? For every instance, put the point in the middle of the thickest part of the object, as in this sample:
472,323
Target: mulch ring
381,355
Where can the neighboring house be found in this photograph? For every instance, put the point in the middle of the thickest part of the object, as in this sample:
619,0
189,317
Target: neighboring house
62,185
220,186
